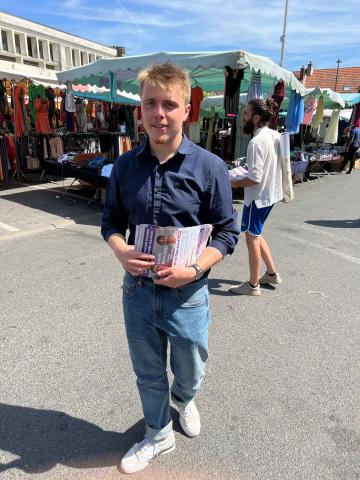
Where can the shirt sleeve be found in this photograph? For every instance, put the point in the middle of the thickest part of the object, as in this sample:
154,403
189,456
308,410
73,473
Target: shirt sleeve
255,162
220,212
115,217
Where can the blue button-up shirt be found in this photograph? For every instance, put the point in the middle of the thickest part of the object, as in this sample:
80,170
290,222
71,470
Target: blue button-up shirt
192,188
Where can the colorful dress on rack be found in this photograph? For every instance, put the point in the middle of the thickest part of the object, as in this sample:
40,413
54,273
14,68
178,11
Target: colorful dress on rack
19,119
42,120
278,96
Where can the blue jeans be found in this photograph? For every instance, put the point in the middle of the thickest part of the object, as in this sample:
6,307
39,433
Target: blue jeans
155,315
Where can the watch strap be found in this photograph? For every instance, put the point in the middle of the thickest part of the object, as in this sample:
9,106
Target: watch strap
199,271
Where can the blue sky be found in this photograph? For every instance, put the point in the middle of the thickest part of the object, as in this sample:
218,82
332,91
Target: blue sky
318,30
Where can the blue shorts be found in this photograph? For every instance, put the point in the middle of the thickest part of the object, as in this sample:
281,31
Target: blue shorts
253,218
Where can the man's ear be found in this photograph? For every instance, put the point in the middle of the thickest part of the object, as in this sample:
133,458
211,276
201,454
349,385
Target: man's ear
187,110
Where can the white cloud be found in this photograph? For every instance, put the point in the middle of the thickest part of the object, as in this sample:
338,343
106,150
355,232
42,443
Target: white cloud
320,30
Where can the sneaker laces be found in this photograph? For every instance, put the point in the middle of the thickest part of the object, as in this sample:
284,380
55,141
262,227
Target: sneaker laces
146,447
188,410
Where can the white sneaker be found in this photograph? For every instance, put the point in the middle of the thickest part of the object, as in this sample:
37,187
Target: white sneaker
141,454
189,418
270,279
246,289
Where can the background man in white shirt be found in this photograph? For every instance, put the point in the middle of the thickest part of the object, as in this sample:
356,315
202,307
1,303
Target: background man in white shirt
262,189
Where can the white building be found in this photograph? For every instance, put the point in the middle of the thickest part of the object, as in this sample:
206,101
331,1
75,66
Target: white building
32,50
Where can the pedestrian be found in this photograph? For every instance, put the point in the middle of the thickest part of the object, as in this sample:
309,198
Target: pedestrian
167,181
262,189
352,147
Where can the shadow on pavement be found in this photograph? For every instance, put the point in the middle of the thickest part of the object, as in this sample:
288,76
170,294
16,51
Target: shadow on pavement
55,203
44,438
216,286
336,223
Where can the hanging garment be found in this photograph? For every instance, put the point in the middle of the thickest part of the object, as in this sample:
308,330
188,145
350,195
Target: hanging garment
62,108
3,99
255,88
331,135
195,132
242,139
70,122
295,114
50,95
11,151
19,120
196,99
136,125
232,90
319,115
211,129
278,96
70,103
355,117
309,110
4,159
42,119
81,116
34,92
24,113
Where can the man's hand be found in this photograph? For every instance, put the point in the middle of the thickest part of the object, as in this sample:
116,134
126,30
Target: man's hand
244,182
174,277
134,262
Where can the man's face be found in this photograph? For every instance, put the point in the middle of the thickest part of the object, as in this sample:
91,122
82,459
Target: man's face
248,120
163,113
161,240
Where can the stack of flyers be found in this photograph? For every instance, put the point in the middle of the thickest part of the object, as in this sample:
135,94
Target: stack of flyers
172,246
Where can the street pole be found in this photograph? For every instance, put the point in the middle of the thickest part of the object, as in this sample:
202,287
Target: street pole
283,36
338,61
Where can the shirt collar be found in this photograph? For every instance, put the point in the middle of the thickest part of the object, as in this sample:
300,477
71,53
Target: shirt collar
185,146
259,130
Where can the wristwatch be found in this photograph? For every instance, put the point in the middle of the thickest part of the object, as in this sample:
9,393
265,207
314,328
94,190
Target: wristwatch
199,271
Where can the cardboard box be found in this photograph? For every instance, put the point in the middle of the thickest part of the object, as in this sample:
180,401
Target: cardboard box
32,163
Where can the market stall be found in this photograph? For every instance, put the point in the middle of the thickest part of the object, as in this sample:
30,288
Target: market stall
231,72
47,128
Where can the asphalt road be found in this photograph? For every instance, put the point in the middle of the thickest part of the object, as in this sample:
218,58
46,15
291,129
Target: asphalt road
281,397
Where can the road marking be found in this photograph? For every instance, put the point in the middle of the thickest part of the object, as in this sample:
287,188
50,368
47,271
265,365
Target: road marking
318,229
310,243
8,228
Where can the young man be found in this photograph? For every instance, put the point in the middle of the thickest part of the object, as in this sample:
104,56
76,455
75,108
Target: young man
167,181
263,188
352,146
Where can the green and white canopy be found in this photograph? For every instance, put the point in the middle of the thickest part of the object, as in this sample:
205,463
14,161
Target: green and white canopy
206,70
351,99
332,100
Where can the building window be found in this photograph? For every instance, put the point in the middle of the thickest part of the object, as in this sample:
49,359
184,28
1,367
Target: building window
7,59
51,52
41,49
347,88
30,47
31,63
73,57
84,58
17,43
50,67
4,38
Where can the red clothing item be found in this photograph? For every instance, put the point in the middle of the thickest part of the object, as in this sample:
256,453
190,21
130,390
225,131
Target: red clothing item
196,99
42,119
19,120
11,150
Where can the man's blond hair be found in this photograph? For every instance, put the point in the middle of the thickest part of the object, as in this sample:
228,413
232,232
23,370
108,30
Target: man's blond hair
166,76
